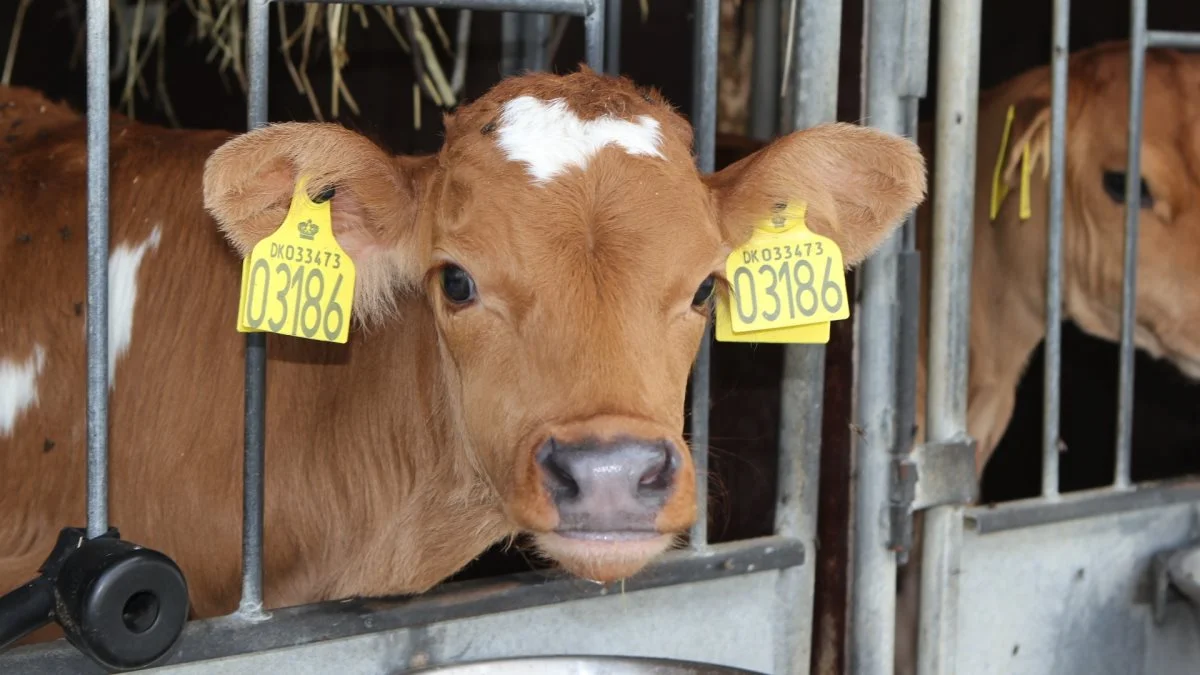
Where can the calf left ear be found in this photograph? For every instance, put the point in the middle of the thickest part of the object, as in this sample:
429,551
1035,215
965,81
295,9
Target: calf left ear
249,182
858,184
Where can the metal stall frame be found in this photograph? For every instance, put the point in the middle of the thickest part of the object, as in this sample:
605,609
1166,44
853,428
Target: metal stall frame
1051,536
766,582
895,65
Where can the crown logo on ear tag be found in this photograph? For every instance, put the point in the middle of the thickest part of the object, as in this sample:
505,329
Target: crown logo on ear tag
785,285
308,229
298,280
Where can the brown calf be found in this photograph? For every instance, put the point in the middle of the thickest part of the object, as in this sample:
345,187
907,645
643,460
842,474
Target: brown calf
1008,281
1008,277
529,304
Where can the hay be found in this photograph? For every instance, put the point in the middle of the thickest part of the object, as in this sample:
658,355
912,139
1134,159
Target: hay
139,29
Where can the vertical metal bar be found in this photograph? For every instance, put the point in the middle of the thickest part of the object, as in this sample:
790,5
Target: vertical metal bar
1052,376
704,107
510,43
258,24
914,86
873,601
814,93
1133,206
97,269
949,312
536,35
612,50
593,34
764,83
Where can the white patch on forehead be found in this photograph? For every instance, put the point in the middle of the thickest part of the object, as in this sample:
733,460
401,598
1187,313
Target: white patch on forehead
549,138
123,267
18,387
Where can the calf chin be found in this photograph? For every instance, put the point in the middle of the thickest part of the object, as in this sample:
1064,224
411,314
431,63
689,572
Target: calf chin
605,559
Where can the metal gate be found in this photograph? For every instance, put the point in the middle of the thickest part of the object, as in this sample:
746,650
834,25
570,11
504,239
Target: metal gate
746,603
1064,583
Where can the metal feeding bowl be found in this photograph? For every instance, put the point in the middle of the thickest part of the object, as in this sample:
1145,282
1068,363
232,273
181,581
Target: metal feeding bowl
584,665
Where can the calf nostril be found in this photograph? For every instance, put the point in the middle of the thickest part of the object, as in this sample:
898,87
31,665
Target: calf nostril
558,474
658,477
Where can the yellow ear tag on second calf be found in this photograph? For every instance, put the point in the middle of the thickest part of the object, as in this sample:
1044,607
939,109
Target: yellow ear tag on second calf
787,284
298,281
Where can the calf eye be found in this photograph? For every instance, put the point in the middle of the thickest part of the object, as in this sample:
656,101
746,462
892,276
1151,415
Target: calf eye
1114,185
704,292
458,286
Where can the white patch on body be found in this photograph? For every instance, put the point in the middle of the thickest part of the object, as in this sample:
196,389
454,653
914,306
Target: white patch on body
548,137
123,267
18,387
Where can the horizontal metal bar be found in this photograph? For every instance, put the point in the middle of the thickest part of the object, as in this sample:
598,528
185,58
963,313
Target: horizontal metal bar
294,626
1173,39
1082,504
571,7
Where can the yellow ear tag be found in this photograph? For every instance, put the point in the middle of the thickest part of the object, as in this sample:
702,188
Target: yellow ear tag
999,187
298,281
788,283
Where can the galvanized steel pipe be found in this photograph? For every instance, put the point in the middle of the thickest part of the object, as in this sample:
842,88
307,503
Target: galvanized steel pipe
1133,207
704,112
873,600
97,267
949,313
1052,376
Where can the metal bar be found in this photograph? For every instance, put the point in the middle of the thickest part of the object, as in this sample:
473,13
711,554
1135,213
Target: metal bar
1171,39
612,36
258,25
1082,504
1052,373
571,7
593,34
704,111
510,43
816,58
306,624
97,267
949,311
535,35
1133,206
764,82
873,600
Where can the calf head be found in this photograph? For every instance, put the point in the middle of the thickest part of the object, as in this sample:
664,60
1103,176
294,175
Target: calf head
1167,321
568,250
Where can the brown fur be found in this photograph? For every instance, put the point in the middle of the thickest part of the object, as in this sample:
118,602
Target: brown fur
394,460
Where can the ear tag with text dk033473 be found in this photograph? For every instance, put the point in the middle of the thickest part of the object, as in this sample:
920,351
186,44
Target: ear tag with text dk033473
787,284
298,281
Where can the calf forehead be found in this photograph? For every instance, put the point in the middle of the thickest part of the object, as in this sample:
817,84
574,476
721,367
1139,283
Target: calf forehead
1171,102
582,165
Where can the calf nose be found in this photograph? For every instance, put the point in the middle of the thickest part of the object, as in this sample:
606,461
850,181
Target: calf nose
608,487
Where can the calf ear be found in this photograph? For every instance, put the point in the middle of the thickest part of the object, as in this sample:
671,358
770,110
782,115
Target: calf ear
857,182
1030,126
249,182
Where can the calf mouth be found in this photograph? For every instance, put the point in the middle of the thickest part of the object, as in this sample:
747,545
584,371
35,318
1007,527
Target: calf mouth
603,556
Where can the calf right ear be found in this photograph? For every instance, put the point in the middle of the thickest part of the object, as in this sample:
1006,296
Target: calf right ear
249,182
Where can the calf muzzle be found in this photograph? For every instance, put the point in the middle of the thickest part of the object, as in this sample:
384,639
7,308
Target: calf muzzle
610,488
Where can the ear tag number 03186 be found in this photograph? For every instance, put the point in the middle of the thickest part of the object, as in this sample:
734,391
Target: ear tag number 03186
298,281
788,284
